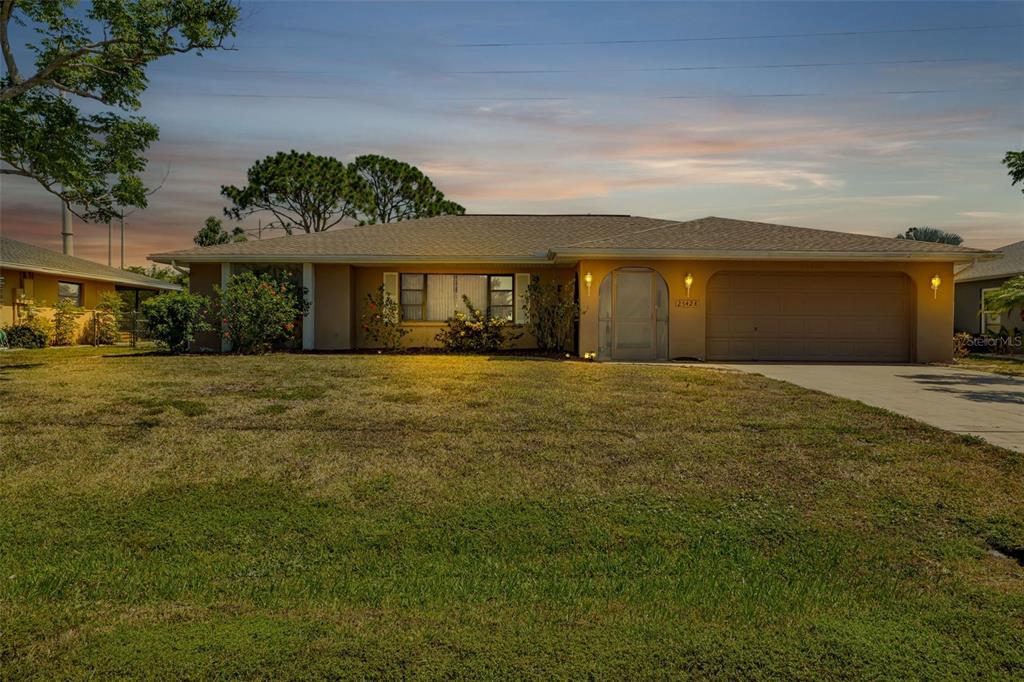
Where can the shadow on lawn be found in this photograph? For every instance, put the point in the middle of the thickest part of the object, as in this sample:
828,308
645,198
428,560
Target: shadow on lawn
981,388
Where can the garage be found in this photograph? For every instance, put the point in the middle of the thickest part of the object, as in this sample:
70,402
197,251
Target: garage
826,317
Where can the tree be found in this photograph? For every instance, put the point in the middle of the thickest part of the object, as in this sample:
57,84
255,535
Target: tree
306,191
157,272
213,233
398,191
931,234
1014,162
93,161
1007,297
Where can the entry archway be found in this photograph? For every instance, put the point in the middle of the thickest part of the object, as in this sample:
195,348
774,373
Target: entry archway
633,315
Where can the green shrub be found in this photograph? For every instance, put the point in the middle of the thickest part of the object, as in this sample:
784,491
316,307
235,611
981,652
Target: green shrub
65,323
474,332
174,319
107,319
25,335
553,311
381,320
261,311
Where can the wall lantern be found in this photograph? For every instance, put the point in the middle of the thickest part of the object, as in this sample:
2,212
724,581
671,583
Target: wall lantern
588,279
936,281
688,281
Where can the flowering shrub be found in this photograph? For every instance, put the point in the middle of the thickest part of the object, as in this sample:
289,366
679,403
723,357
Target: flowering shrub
107,318
259,312
65,322
962,344
474,332
174,319
381,320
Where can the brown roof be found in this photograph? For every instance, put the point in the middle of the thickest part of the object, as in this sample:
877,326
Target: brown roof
543,237
24,256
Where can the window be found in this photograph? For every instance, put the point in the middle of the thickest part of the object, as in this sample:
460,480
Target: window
990,322
70,291
501,297
436,297
413,297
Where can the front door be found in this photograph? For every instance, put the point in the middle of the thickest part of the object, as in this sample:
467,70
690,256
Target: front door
634,328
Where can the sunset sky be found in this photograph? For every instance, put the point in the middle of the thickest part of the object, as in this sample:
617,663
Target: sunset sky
873,123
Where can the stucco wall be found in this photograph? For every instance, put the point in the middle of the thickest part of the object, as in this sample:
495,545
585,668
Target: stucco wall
201,279
366,281
41,289
332,306
931,323
968,306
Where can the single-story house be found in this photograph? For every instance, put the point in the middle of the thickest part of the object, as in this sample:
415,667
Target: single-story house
649,289
34,276
975,279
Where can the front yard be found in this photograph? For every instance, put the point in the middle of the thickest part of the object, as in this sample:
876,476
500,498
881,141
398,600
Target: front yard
1010,366
391,516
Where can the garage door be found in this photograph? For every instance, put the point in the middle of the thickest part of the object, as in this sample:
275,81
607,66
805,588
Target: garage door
809,317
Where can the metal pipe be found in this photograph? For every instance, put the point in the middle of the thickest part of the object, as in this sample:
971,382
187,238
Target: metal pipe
67,230
122,242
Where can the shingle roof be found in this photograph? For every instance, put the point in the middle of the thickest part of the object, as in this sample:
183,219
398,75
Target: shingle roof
534,237
19,255
1010,264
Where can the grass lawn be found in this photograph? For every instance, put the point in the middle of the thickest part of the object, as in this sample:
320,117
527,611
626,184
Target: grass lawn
400,516
1013,367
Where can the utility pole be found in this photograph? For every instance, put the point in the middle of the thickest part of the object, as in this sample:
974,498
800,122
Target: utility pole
259,229
110,244
67,231
122,241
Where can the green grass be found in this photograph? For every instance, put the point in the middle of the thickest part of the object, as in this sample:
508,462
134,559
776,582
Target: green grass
365,516
1010,366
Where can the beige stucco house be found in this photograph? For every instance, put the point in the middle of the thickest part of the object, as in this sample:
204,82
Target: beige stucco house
649,289
34,277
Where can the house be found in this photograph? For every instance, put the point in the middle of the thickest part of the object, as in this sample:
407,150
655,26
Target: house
649,289
33,276
975,279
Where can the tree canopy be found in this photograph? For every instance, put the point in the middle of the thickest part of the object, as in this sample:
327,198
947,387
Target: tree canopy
931,234
1008,296
93,160
1014,162
305,191
213,233
314,193
399,191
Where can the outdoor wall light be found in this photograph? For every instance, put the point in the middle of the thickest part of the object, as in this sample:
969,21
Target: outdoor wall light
688,281
588,279
936,281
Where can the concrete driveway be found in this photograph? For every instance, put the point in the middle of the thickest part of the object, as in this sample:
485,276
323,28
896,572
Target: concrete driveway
987,405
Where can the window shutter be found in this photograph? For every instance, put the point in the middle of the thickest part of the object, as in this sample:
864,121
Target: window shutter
522,282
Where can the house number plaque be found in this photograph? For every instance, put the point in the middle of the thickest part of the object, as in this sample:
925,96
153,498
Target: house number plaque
686,302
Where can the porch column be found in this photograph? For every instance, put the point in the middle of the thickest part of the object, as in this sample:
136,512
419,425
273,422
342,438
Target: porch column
225,275
308,321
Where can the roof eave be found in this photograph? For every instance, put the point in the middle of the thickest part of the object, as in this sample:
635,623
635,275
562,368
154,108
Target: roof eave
356,259
728,254
155,284
981,278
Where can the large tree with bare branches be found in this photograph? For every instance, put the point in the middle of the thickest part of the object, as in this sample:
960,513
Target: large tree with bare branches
96,52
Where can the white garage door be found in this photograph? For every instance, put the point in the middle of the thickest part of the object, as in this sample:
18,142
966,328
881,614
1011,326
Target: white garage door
854,317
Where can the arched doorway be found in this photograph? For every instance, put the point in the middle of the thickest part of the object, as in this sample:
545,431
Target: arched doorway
633,315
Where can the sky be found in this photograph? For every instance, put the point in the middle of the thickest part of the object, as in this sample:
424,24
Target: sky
863,117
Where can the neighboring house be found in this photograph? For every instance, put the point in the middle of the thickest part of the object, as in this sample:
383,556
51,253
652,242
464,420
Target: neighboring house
33,276
974,280
713,288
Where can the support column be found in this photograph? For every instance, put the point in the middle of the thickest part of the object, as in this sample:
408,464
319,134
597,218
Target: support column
225,275
309,321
